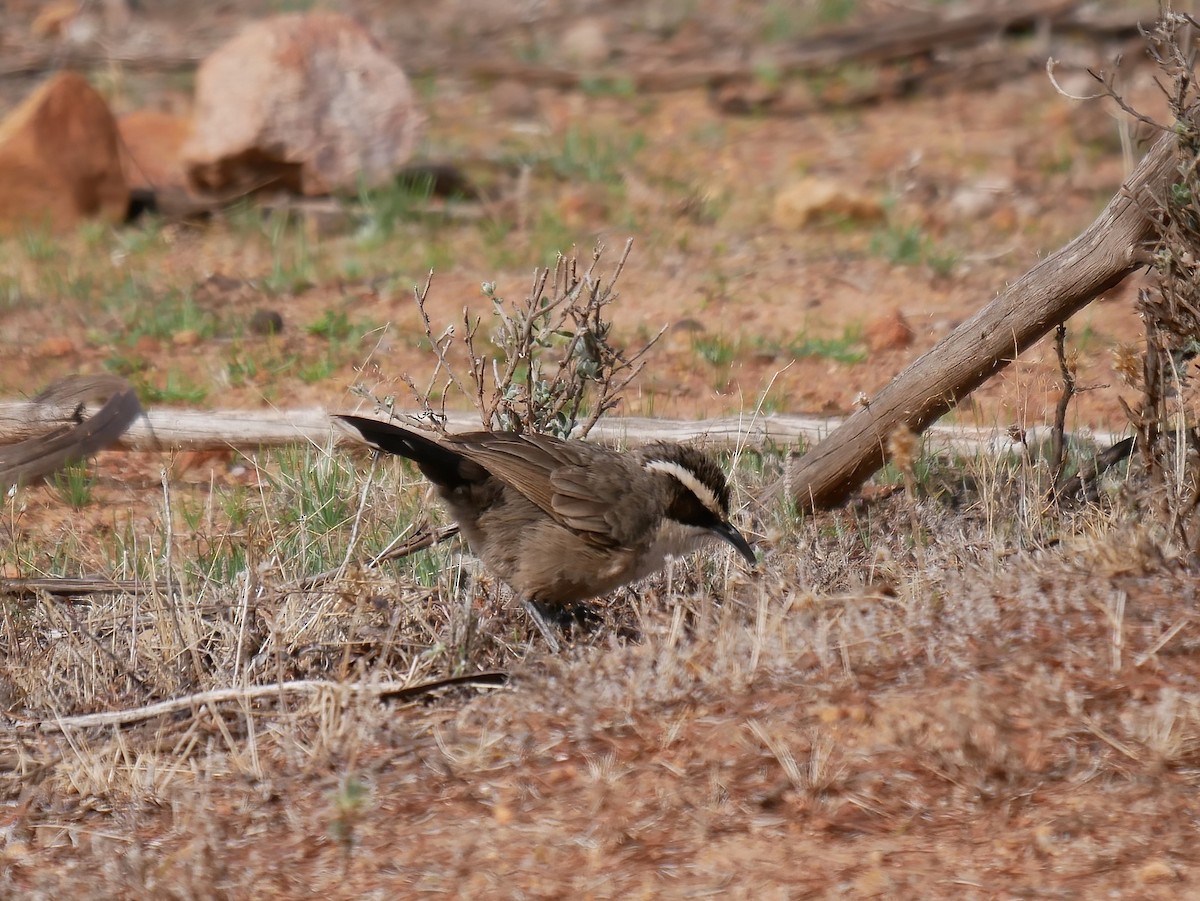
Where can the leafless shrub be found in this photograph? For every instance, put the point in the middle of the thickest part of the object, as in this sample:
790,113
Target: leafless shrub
1164,420
548,365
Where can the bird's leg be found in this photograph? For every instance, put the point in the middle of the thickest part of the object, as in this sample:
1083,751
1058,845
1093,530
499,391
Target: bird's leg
539,619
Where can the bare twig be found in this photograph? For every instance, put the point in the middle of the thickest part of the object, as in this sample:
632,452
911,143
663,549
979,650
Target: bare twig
381,690
1058,433
426,538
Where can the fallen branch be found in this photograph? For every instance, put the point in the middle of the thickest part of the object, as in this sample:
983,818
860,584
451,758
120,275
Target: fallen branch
381,690
1063,283
77,587
167,429
1085,483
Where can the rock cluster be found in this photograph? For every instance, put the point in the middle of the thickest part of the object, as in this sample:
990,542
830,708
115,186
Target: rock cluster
304,103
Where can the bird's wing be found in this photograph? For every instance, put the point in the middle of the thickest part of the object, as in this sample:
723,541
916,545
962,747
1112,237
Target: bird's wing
573,482
595,502
525,463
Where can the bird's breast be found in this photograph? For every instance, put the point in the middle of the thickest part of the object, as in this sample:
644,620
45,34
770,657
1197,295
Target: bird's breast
672,539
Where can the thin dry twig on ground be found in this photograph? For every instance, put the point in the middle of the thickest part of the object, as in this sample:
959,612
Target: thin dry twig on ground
380,690
402,547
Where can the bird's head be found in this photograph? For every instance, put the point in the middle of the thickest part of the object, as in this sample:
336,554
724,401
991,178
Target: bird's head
697,492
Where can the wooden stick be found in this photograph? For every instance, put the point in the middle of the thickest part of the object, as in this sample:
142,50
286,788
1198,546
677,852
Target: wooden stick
66,586
382,690
1059,286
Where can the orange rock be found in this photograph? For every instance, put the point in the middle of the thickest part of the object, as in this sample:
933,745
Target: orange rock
309,103
891,331
150,150
147,345
191,462
56,346
59,162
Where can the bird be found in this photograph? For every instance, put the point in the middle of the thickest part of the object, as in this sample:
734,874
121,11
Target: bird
563,520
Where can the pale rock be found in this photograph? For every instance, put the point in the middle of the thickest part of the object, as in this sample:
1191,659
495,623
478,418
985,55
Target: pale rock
308,102
811,200
585,43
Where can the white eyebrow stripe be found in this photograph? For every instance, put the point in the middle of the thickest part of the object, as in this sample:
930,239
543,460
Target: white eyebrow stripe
688,478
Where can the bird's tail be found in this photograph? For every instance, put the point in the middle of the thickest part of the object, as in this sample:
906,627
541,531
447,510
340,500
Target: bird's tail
440,464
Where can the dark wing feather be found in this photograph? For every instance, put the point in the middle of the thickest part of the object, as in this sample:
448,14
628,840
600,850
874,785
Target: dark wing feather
441,463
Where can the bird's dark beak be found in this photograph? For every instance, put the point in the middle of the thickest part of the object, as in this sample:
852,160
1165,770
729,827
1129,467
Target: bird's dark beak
727,532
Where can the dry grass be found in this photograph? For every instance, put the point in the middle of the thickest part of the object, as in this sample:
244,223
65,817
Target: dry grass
903,701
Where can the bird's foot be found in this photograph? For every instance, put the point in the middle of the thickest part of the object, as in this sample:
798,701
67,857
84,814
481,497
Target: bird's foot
535,613
552,620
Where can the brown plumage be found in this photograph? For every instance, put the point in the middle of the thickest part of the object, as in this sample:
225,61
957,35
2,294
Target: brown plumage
564,520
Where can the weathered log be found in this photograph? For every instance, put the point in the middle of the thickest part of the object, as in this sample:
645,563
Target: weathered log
169,429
